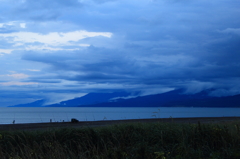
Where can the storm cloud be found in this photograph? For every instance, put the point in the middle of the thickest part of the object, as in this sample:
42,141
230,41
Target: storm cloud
80,46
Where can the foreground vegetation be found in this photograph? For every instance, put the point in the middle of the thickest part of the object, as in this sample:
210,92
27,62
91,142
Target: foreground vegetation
153,141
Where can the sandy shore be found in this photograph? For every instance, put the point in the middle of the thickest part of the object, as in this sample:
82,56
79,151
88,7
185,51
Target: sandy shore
55,125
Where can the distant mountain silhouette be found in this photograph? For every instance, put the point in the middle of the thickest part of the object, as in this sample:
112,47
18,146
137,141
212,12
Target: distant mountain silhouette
90,99
37,103
229,101
175,98
157,100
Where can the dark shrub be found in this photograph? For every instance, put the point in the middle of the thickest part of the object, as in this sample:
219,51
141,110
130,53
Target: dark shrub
73,120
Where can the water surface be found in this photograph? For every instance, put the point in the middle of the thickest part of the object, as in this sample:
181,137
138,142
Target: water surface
60,114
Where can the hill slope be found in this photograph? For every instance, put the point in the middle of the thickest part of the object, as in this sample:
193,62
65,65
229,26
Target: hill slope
175,99
90,99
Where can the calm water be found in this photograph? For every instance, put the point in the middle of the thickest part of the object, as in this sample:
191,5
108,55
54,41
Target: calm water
37,115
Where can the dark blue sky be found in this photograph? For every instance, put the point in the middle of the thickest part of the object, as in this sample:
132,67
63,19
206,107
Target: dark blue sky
61,49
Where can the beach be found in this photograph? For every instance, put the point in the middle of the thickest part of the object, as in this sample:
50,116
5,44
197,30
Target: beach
80,124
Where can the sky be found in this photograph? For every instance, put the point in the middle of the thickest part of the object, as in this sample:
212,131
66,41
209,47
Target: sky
62,49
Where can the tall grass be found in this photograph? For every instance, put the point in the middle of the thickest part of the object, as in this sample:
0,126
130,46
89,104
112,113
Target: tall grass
137,141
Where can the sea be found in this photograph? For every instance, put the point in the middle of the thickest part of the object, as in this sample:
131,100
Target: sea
17,115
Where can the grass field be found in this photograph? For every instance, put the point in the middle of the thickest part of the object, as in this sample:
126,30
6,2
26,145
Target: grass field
127,141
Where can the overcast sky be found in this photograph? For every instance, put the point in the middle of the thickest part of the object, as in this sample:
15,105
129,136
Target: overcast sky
61,49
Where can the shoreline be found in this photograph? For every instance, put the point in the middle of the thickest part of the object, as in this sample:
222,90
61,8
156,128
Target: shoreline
81,124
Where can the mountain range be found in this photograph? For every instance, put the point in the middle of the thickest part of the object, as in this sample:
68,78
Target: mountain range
175,98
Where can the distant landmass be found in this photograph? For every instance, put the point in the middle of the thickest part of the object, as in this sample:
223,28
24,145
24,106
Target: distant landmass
90,99
175,98
38,103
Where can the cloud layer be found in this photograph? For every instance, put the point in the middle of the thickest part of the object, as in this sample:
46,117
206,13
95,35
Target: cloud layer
55,48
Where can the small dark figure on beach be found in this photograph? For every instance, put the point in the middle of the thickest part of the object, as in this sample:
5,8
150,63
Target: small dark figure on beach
74,120
13,122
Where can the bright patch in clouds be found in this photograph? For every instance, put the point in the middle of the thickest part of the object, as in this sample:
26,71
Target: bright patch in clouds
18,75
33,70
44,47
23,25
53,38
13,83
5,51
11,24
